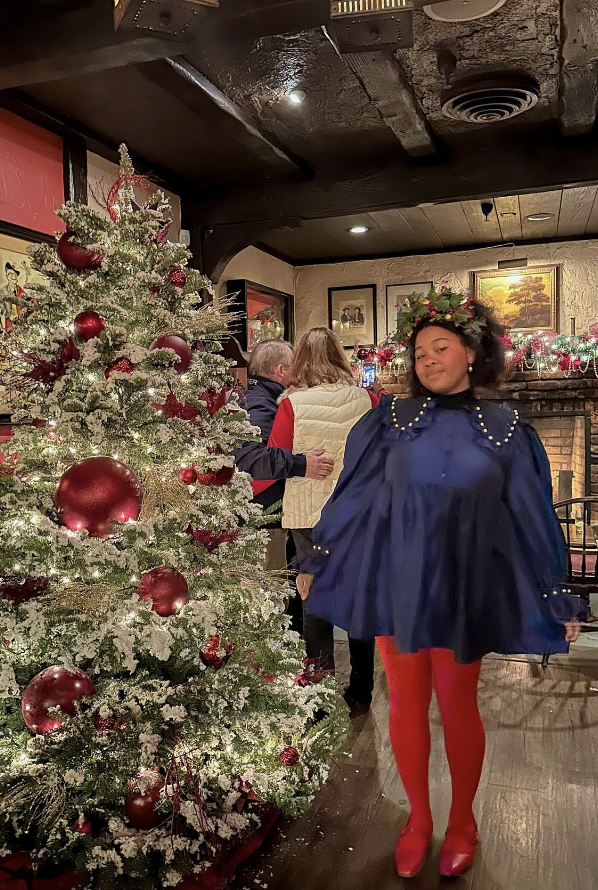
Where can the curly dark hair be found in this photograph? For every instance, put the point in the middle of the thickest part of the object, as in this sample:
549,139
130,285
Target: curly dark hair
489,362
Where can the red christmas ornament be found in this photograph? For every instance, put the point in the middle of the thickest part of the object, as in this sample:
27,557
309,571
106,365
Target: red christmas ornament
216,653
216,477
188,475
140,805
180,346
88,325
74,257
166,588
173,408
108,725
177,276
366,355
289,756
211,540
214,400
95,491
124,365
83,825
53,687
21,590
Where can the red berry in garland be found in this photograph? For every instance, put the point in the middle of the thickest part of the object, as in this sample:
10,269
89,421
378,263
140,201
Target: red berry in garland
88,325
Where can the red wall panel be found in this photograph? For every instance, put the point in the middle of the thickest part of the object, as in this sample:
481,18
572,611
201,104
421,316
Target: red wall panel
31,179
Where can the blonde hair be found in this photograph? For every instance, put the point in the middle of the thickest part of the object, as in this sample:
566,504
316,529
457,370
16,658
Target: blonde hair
319,359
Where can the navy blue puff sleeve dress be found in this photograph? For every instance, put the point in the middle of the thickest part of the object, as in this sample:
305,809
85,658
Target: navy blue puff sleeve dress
441,537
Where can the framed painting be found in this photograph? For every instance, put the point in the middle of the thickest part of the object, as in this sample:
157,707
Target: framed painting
396,294
268,313
524,299
352,314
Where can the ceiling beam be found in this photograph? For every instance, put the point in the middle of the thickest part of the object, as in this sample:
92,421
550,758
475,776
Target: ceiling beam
540,164
578,86
384,81
184,83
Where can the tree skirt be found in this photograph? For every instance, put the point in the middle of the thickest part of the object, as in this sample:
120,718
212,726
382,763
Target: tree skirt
16,871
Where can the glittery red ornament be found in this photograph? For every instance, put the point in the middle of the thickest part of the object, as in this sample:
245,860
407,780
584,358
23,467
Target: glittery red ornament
82,825
214,400
166,588
140,805
212,540
75,257
188,475
180,346
216,653
21,590
289,756
53,687
177,276
123,365
216,477
95,491
88,325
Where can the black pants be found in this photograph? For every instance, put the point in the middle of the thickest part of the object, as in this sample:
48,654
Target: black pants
319,640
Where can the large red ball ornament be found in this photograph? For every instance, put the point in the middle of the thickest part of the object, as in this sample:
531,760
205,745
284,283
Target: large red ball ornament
188,475
75,257
140,805
88,325
53,687
180,346
216,653
216,477
177,276
166,588
95,491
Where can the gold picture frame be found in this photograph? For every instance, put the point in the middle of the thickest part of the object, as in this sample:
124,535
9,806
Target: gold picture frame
522,300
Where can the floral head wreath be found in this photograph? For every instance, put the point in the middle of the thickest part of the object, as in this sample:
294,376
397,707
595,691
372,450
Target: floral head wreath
438,306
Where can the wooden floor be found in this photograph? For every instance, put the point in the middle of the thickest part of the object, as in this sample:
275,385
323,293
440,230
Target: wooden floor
537,806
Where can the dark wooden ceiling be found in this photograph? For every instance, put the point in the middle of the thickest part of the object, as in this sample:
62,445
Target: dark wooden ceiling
212,118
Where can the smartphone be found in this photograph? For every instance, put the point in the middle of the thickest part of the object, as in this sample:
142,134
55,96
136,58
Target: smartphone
368,375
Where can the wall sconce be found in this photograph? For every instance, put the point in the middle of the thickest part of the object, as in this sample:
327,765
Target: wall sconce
177,19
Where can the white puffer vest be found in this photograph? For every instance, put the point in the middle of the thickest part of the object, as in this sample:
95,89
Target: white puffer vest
324,417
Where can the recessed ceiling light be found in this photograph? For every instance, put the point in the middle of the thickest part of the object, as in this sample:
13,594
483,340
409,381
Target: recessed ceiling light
358,230
539,217
297,96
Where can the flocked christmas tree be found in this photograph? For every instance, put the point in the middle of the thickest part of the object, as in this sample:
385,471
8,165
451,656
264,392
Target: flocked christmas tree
153,701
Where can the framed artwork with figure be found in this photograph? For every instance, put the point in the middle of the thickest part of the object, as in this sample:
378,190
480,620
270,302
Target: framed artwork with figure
525,299
396,294
268,313
352,314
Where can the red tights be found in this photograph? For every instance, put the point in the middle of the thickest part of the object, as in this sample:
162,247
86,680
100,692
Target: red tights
410,679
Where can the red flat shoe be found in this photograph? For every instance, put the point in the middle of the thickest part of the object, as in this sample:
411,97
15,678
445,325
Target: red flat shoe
411,850
457,852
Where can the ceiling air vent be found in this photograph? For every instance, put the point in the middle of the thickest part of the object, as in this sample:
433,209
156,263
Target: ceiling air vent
490,99
362,25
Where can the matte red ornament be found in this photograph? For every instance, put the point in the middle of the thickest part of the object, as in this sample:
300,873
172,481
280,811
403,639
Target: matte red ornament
21,590
140,805
366,355
95,491
216,477
180,346
214,400
188,475
53,687
83,825
74,257
177,276
289,756
124,365
216,653
166,588
89,324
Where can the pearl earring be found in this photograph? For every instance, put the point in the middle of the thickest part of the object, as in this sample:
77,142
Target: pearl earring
470,369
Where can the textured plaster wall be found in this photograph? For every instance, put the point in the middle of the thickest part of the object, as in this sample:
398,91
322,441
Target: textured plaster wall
261,268
579,286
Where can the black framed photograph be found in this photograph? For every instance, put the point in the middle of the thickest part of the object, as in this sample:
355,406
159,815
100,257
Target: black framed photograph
396,294
352,314
268,313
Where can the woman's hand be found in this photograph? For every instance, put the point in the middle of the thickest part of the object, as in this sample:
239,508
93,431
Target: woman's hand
304,582
572,630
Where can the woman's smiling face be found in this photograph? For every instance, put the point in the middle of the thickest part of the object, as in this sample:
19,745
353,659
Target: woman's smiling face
442,360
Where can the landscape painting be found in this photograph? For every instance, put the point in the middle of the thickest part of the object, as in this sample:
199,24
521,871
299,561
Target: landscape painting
522,299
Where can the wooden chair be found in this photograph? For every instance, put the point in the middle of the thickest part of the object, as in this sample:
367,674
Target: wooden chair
579,519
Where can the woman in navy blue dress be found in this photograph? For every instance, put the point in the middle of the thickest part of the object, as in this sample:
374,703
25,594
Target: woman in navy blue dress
440,539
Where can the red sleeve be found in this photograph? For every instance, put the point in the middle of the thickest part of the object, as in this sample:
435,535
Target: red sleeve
375,400
281,436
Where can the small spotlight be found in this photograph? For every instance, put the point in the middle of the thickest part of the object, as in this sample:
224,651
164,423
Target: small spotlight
358,230
296,97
